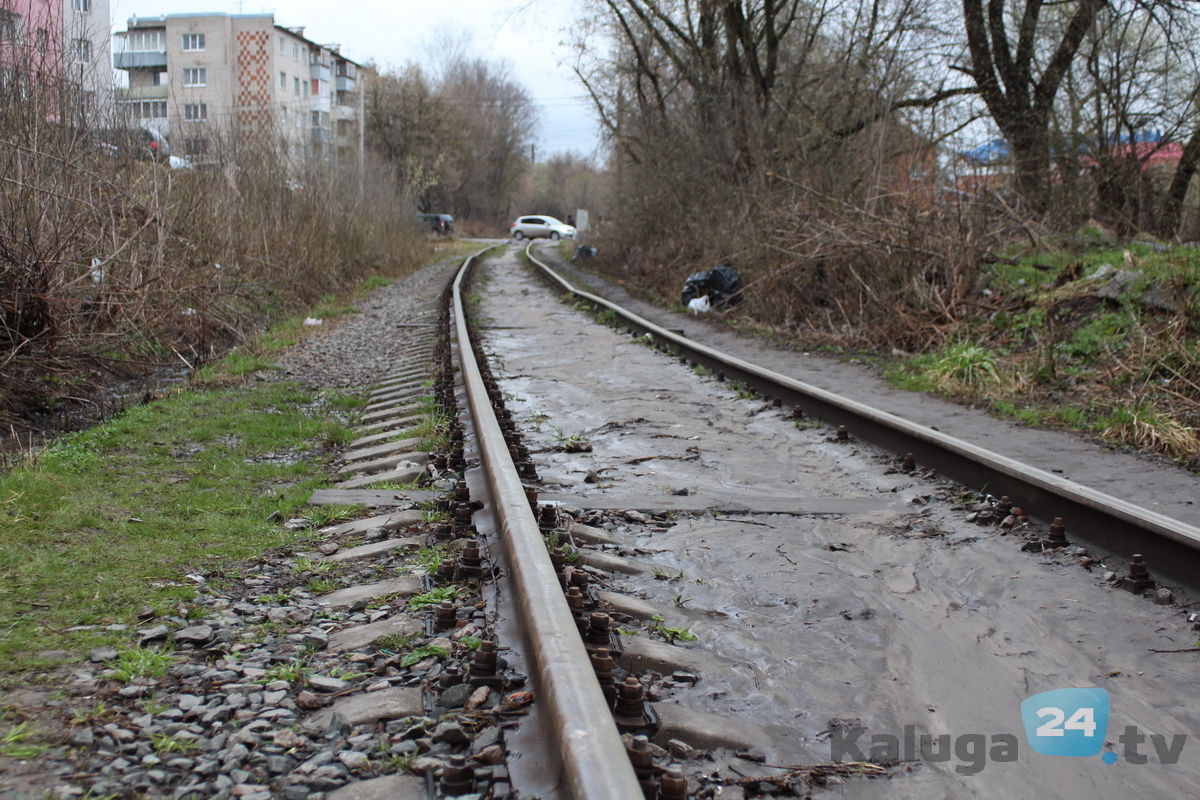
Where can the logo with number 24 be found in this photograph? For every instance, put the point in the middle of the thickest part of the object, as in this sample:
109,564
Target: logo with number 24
1066,722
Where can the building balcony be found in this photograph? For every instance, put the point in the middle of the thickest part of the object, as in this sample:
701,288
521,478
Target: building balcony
344,84
143,93
319,136
321,71
139,60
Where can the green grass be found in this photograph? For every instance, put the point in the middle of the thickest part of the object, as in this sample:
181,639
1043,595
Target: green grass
112,518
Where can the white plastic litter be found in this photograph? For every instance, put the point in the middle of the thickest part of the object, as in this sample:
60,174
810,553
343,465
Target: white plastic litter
311,321
699,304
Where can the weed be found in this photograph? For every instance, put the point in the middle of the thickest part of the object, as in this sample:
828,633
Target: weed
290,672
322,585
14,743
607,317
437,650
430,557
97,714
569,552
681,601
435,596
663,575
142,663
321,516
167,743
670,633
376,282
1139,425
572,443
401,763
964,367
702,370
151,705
742,390
396,642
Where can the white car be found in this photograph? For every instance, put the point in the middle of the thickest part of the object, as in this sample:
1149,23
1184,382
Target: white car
537,227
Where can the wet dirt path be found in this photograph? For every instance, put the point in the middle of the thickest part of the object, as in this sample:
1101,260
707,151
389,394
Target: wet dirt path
869,602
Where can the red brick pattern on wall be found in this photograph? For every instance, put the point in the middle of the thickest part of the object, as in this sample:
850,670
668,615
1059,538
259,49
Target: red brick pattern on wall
254,79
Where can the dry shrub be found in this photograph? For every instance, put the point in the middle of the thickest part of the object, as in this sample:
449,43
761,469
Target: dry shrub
113,265
895,273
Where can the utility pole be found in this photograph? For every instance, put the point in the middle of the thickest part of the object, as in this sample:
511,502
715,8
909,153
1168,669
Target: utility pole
533,154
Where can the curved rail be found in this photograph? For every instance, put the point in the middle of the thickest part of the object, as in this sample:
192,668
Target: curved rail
594,760
1094,516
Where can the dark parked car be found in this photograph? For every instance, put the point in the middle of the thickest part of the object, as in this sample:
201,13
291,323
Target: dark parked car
438,224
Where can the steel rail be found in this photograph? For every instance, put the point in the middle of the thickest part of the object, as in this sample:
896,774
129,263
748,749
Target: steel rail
1172,548
595,763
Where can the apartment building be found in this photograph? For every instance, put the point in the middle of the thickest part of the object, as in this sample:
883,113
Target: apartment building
200,78
44,43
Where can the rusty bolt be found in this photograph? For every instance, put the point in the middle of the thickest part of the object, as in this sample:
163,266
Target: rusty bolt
909,464
444,616
575,600
451,676
457,777
1058,533
777,402
630,710
1138,577
602,665
843,434
483,666
673,785
1004,506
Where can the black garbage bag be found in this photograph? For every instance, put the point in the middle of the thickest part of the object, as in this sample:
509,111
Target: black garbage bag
726,286
583,251
722,286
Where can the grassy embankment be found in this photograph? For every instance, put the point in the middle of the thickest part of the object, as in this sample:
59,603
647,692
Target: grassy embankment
114,518
1104,341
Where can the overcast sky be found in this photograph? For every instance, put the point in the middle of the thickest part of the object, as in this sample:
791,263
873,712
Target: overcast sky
391,32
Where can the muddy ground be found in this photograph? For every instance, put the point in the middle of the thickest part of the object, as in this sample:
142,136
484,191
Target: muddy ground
870,602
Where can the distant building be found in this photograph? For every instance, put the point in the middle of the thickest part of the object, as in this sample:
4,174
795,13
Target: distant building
200,77
53,44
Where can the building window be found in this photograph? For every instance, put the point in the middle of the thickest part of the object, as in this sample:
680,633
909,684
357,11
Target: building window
194,76
12,26
147,109
42,39
159,79
83,6
193,42
282,46
195,147
195,112
295,52
283,115
283,81
296,85
145,42
83,50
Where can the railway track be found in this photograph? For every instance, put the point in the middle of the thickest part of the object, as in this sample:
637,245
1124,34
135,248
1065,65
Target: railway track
573,561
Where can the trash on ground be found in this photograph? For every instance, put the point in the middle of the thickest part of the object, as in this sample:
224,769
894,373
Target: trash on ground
721,287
